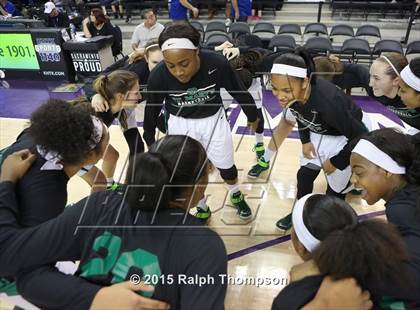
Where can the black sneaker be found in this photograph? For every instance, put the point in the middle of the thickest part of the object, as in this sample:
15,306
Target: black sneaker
285,223
257,169
239,202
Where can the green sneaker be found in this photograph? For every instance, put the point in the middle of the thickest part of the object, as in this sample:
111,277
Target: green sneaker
114,187
203,215
259,149
285,223
257,169
239,202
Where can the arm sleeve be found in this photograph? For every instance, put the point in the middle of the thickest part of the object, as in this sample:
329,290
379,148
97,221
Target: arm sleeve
52,241
153,107
342,119
237,90
48,288
210,260
304,133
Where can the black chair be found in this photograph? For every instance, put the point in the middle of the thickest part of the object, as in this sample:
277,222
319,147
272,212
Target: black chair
317,28
368,31
342,30
357,49
215,39
216,26
197,25
238,28
318,45
264,27
387,46
290,29
282,42
413,48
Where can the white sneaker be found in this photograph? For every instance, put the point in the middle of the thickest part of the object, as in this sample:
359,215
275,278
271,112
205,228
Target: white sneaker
227,22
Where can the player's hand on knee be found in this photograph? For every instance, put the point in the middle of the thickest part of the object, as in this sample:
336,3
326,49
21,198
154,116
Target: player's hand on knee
124,296
16,165
253,125
308,150
99,104
342,294
328,167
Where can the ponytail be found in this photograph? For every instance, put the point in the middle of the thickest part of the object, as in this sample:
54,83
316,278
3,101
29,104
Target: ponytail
117,82
172,165
147,176
100,87
369,250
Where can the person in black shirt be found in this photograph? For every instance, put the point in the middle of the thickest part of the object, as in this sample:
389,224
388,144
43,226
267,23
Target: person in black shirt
327,119
385,165
64,138
328,237
55,18
410,84
121,89
188,82
97,24
178,168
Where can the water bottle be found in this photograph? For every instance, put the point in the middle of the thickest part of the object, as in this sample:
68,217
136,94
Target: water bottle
73,31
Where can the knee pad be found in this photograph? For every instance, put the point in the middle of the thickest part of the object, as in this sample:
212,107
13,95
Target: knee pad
229,174
307,173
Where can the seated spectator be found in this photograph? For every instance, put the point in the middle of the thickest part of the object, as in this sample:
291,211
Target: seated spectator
97,24
7,8
148,30
55,18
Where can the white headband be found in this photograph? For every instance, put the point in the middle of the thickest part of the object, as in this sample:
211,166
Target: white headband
369,151
178,43
390,63
410,79
98,129
53,159
289,70
303,234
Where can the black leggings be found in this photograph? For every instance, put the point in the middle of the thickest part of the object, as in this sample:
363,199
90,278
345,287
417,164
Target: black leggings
260,127
305,183
134,141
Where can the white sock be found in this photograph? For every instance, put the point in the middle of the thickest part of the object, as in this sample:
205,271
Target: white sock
259,137
202,204
109,181
233,189
268,154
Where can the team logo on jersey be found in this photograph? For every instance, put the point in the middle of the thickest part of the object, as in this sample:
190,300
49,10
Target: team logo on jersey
194,96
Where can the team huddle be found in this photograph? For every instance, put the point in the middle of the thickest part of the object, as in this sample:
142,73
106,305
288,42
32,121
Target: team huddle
347,262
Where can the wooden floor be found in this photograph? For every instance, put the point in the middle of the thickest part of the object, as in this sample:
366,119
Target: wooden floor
270,197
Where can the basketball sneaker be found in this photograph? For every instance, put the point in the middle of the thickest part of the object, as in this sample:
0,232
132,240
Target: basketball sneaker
203,215
259,150
285,223
239,202
257,169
